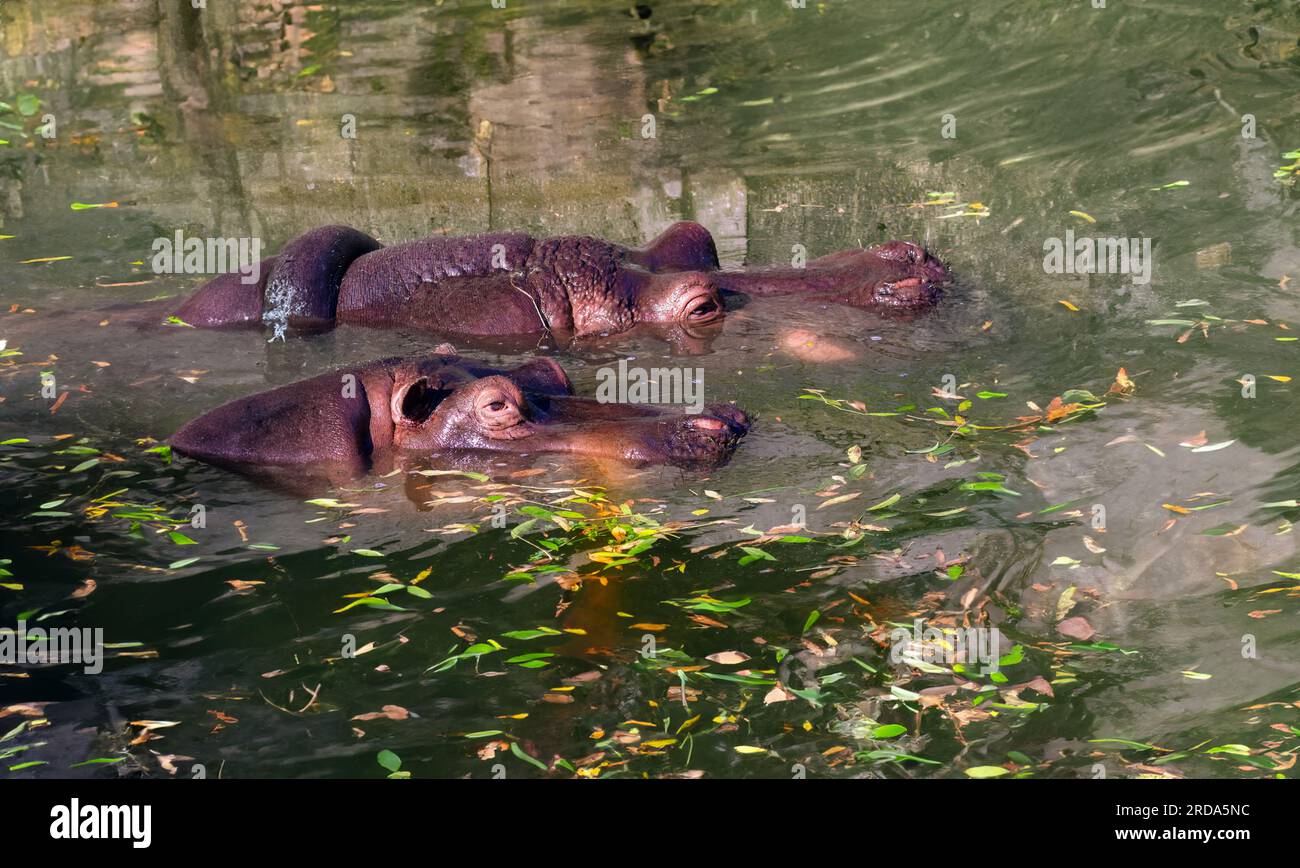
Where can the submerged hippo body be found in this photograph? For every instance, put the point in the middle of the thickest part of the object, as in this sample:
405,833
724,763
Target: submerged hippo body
345,423
515,284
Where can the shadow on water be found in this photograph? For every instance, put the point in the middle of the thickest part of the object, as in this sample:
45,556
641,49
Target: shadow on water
1140,574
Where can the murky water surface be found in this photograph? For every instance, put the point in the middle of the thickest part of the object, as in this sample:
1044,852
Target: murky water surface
822,127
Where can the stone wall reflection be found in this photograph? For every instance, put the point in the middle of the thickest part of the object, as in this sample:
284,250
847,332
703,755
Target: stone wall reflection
227,120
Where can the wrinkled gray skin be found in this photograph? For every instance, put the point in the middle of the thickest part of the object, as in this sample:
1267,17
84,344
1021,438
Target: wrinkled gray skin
514,284
345,423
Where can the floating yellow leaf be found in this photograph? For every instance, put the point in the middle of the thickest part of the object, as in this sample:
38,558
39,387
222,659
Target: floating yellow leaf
727,657
1122,385
841,499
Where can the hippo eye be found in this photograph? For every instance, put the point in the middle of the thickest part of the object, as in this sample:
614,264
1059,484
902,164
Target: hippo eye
494,403
705,308
498,411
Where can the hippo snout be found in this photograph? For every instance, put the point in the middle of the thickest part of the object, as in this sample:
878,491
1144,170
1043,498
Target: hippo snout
707,438
907,294
916,281
735,420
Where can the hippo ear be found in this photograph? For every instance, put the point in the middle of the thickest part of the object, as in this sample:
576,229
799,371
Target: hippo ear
544,376
683,246
416,400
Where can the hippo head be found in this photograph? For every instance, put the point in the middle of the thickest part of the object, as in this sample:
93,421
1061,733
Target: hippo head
532,409
612,296
894,277
342,424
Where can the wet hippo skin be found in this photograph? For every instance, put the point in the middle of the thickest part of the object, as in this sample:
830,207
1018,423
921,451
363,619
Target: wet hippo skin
347,422
515,284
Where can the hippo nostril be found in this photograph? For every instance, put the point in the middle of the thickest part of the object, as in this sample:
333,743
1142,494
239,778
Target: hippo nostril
916,253
901,252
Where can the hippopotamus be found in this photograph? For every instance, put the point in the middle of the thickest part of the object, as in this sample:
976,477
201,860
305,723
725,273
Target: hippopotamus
514,284
348,422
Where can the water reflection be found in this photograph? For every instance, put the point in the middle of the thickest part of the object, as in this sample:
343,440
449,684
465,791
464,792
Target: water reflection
774,127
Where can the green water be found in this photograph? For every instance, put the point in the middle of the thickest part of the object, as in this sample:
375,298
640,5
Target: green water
823,127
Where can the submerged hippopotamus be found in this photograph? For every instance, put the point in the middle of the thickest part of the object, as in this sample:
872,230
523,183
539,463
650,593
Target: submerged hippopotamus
515,284
348,422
